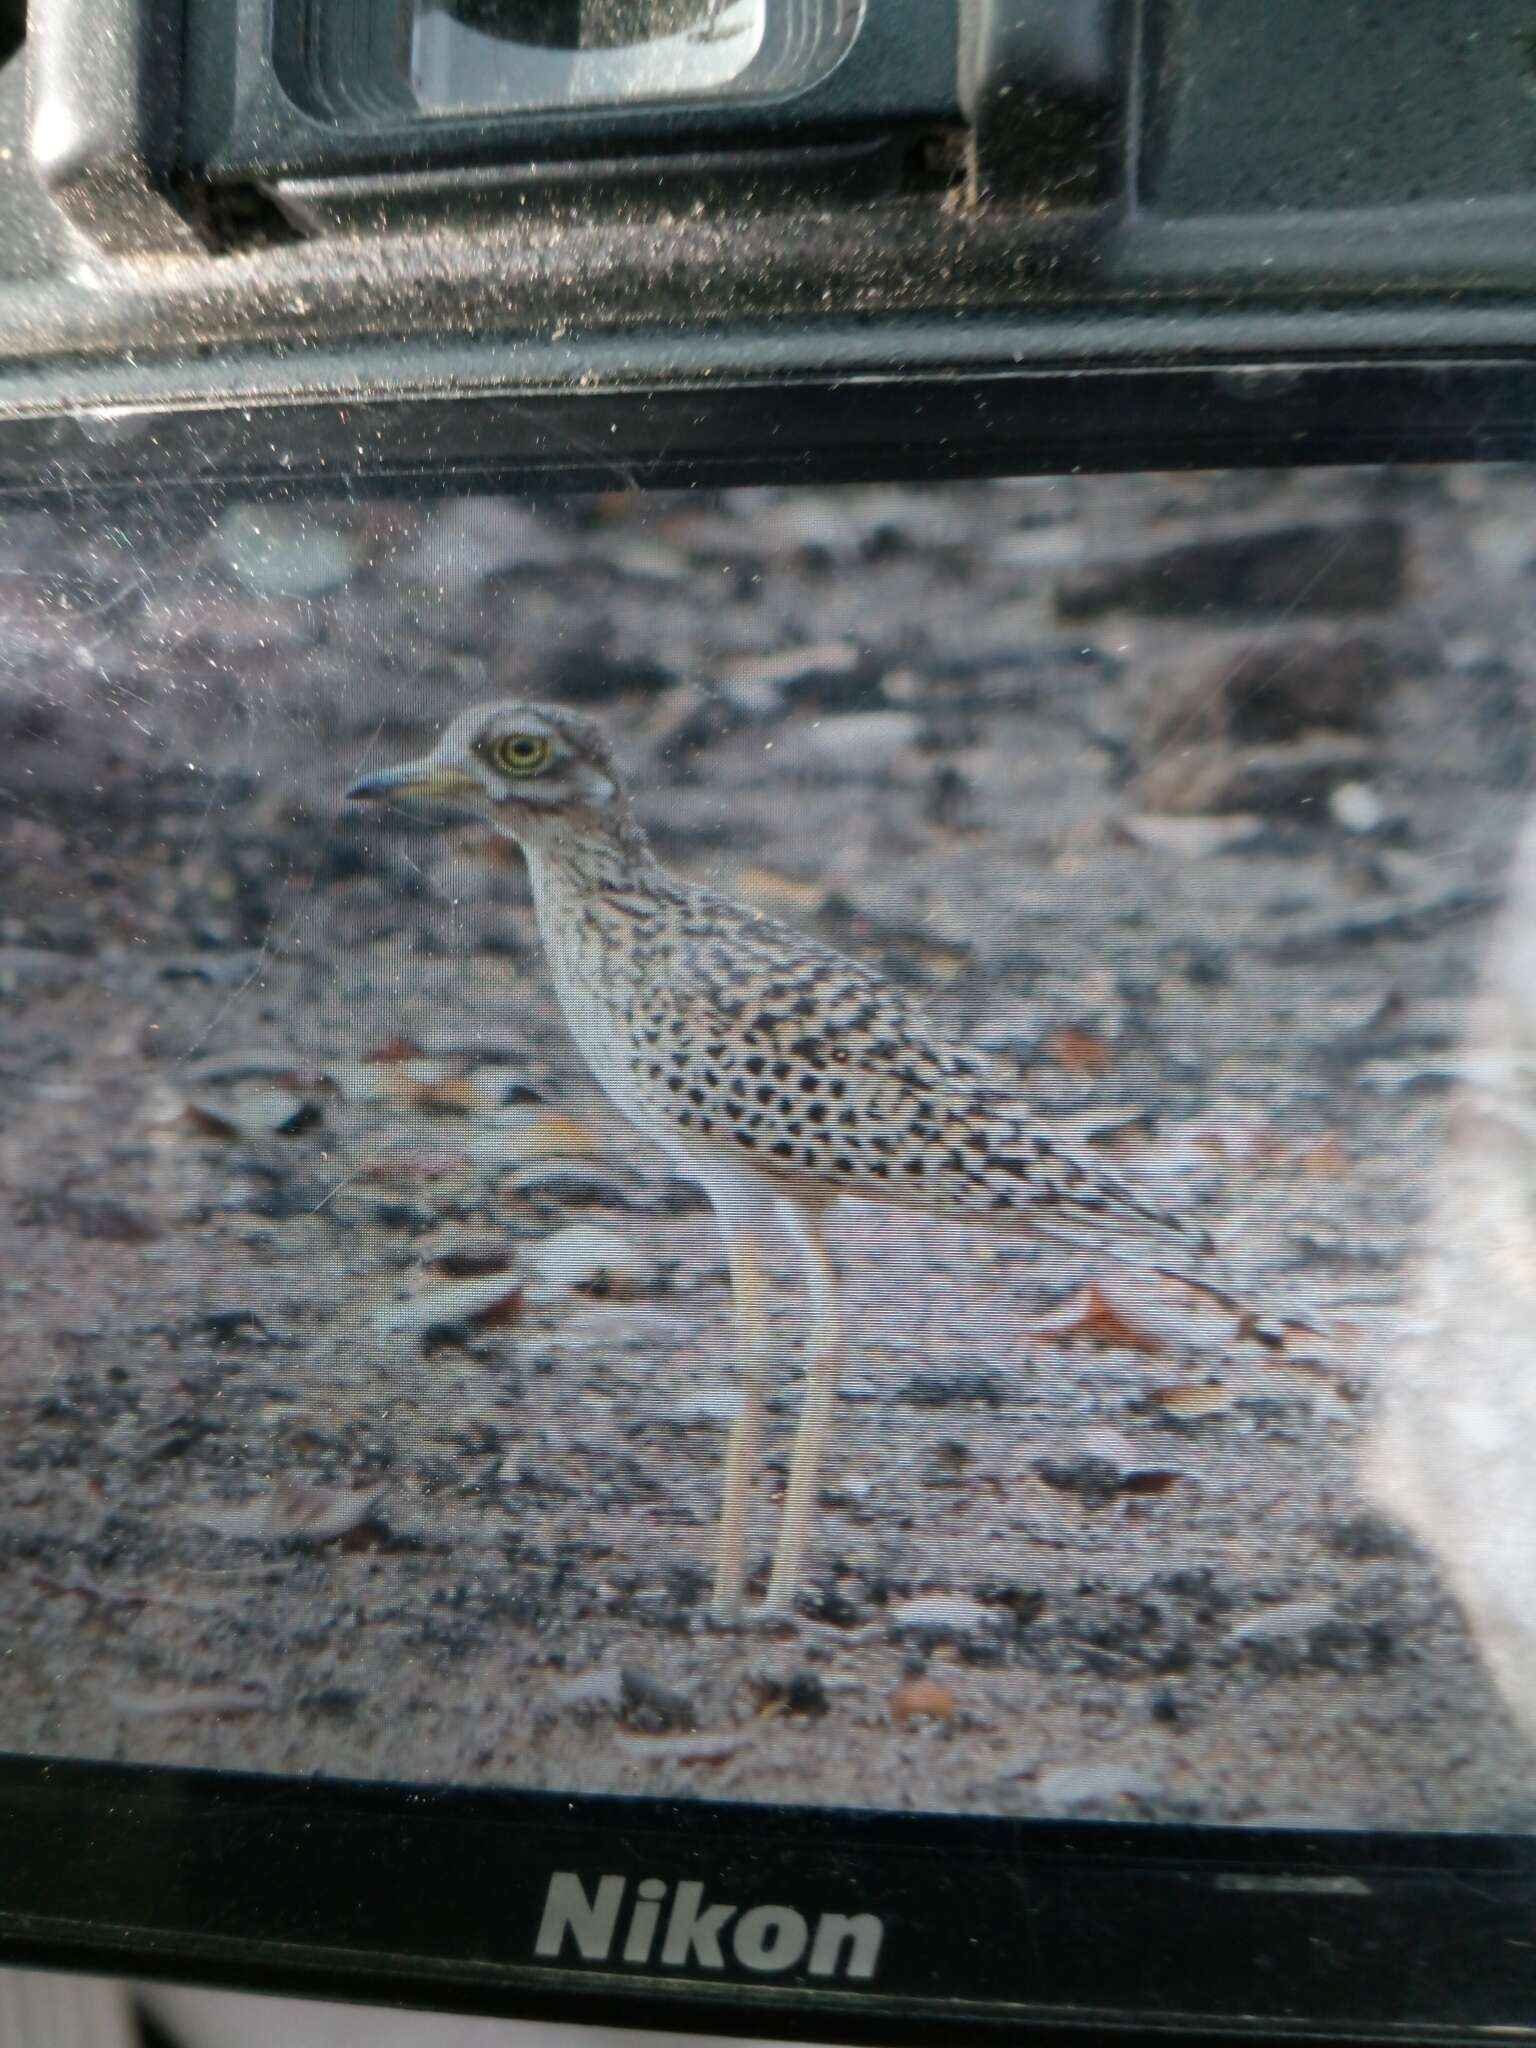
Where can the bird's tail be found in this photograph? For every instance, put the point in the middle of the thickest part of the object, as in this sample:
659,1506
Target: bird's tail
1007,1172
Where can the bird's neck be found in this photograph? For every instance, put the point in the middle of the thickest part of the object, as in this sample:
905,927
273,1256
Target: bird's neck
586,856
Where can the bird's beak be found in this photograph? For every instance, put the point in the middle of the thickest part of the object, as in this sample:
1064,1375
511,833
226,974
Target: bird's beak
417,778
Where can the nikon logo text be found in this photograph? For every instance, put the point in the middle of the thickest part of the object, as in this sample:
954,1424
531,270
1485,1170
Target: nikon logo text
683,1933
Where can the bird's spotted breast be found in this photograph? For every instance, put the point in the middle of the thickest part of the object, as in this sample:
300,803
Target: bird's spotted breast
721,1033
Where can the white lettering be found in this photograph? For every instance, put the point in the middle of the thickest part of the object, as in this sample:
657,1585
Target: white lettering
862,1931
568,1910
642,1925
689,1930
770,1938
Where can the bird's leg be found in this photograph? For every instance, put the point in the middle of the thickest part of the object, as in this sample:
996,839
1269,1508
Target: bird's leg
745,1260
824,1364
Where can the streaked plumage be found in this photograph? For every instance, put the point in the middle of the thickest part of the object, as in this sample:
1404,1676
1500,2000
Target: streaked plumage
777,1071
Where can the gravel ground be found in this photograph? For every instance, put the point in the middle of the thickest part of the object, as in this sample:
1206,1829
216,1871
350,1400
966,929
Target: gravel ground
366,1381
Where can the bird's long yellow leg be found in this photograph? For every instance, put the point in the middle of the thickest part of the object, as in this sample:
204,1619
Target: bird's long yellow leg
823,1368
747,1284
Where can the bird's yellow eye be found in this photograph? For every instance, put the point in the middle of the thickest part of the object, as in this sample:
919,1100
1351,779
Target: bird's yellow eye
522,753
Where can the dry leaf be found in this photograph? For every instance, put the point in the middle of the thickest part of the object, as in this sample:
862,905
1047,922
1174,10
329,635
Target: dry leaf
1092,1317
1326,1156
923,1699
1079,1051
441,1098
1190,1399
394,1048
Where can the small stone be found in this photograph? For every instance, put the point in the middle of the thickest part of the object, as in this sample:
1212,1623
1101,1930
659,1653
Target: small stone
1367,1535
1191,838
218,1702
799,1691
940,1615
946,1389
711,1407
1067,1787
867,742
470,540
650,1703
596,1261
685,1749
481,1304
295,1513
1296,1621
1294,778
568,1182
287,551
832,676
598,1691
1357,807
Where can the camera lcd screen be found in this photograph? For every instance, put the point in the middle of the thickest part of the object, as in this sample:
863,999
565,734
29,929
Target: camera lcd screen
845,1147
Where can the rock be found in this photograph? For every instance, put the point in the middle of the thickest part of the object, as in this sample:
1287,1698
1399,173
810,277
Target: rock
470,539
711,1407
685,1749
219,1701
1191,838
650,1703
1356,565
799,1691
1104,1464
597,1261
286,550
1067,1787
254,1113
865,742
946,1389
598,1691
833,675
295,1513
448,1312
1217,777
473,1258
1357,807
1367,1536
232,1325
645,1701
1295,1621
1276,690
569,1183
937,1616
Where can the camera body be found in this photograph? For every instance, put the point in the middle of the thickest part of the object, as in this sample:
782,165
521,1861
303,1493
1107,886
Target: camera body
1001,235
278,249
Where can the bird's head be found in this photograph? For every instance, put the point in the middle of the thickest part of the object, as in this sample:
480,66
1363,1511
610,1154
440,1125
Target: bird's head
521,767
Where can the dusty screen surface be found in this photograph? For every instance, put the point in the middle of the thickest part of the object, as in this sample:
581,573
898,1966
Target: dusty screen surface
368,1375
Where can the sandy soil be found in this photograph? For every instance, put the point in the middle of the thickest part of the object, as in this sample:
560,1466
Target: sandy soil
365,1381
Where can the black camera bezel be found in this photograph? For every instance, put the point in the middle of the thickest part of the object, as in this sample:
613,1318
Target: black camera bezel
428,1894
432,1895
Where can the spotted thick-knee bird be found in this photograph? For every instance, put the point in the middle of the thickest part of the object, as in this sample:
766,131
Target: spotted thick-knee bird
776,1071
